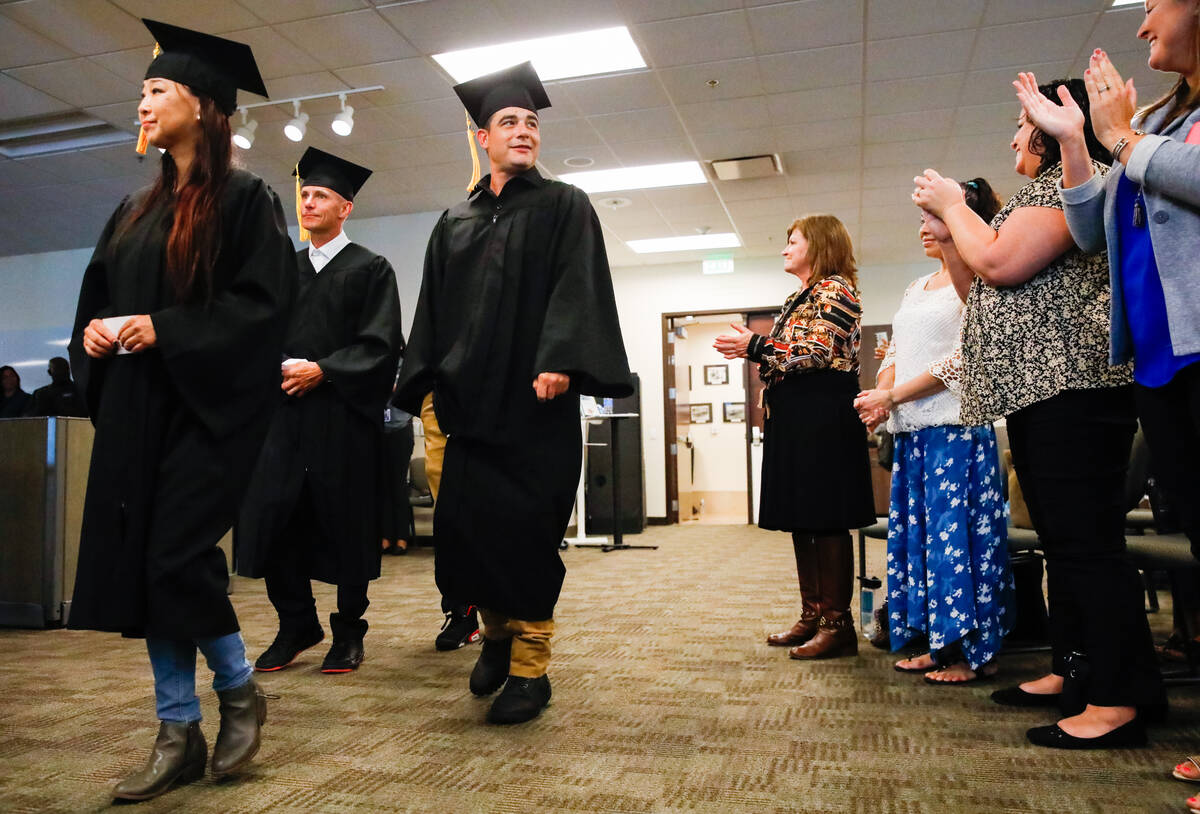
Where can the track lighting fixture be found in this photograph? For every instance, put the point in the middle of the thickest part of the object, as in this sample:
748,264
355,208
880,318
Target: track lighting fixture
343,123
294,129
244,137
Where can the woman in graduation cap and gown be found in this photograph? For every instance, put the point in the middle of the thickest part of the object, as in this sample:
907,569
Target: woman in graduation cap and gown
177,341
516,286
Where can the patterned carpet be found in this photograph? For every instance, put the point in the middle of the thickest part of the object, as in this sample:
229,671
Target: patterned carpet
666,699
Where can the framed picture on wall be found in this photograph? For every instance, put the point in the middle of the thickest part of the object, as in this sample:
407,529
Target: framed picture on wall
716,374
701,413
735,412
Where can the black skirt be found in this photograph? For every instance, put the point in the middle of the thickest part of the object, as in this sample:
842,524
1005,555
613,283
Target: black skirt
816,473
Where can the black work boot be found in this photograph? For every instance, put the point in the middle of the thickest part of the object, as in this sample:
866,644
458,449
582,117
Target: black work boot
523,699
460,628
286,647
179,755
491,668
243,712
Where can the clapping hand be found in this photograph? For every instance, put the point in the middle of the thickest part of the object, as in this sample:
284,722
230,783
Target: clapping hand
1060,122
1113,101
936,194
734,346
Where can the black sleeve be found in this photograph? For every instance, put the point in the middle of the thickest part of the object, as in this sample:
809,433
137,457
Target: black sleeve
582,335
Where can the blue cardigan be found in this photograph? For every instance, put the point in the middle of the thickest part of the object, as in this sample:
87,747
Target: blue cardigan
1169,172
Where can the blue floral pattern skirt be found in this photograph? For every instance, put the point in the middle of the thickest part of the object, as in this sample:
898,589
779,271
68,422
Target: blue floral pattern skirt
947,550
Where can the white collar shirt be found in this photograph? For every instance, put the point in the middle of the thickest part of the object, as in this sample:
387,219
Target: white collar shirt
320,257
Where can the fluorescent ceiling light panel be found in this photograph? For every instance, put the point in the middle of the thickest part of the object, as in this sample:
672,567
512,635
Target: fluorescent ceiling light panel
605,50
1119,3
650,176
720,240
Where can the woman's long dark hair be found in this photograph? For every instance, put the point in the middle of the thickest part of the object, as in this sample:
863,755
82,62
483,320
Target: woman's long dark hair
1042,145
195,237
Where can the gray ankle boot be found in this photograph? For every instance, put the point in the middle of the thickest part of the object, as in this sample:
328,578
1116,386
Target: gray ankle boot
179,755
243,712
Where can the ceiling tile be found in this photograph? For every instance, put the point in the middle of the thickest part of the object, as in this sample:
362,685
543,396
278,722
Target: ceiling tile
612,94
1021,43
887,18
639,11
77,81
527,19
567,134
805,24
737,143
19,101
668,198
211,16
738,77
1014,11
726,115
995,84
23,173
996,119
809,162
914,154
817,183
840,199
448,25
891,196
807,106
353,38
299,9
752,188
403,80
926,124
275,54
602,156
814,68
638,125
84,26
21,46
431,116
703,38
927,55
906,95
832,134
660,151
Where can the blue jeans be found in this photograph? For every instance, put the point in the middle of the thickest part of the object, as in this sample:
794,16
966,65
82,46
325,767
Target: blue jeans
174,665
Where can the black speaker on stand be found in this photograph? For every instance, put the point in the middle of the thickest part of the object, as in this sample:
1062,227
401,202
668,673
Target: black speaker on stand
599,470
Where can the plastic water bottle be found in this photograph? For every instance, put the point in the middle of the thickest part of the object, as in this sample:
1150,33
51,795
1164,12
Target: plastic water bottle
866,618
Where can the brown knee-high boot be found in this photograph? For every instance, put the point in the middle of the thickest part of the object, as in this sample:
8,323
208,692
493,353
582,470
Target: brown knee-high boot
810,595
835,630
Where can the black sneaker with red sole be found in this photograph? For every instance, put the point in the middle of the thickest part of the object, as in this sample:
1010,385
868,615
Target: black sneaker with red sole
460,629
286,647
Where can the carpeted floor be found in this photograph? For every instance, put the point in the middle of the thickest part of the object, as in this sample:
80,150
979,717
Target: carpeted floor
666,699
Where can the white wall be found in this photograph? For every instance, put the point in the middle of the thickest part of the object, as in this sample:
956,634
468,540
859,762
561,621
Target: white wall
719,447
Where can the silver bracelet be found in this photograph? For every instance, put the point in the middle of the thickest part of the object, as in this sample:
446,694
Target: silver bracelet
1121,144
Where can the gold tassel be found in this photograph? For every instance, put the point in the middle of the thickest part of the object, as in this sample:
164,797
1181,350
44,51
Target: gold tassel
143,142
299,209
476,173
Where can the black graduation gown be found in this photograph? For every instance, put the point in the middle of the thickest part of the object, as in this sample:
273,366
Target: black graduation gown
513,286
326,446
178,427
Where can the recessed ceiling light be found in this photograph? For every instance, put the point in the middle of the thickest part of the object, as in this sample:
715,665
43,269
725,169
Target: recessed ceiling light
649,176
616,202
579,161
718,240
584,53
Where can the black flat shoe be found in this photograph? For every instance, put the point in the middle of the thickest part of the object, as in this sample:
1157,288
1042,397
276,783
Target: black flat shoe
286,647
344,656
1126,736
1017,697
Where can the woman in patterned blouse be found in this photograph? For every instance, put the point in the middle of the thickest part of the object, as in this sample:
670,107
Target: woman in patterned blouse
1035,350
810,365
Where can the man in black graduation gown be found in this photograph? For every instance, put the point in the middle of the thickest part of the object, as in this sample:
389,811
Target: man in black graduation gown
311,512
515,319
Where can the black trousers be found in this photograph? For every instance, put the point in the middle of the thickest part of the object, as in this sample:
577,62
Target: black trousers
1071,452
290,589
1171,422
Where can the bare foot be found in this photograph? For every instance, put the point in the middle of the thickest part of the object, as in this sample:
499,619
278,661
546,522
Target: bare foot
1046,685
960,673
1096,721
1187,771
917,663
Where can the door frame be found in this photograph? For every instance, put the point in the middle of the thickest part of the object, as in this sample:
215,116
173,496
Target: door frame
670,425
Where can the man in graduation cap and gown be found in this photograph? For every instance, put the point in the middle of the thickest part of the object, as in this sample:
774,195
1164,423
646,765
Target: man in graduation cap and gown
516,318
312,510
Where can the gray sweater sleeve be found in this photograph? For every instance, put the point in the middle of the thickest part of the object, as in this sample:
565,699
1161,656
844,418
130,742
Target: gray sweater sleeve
1168,167
1084,209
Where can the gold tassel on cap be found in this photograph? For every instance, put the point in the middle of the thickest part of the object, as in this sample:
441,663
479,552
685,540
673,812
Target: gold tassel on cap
304,236
143,142
476,173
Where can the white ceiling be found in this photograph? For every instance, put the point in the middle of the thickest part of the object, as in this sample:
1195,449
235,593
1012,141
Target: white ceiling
857,96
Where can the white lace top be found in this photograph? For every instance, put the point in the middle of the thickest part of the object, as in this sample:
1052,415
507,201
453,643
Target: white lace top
925,337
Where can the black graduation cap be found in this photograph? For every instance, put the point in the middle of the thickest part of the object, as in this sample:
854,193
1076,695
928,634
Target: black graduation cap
215,66
518,86
321,169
